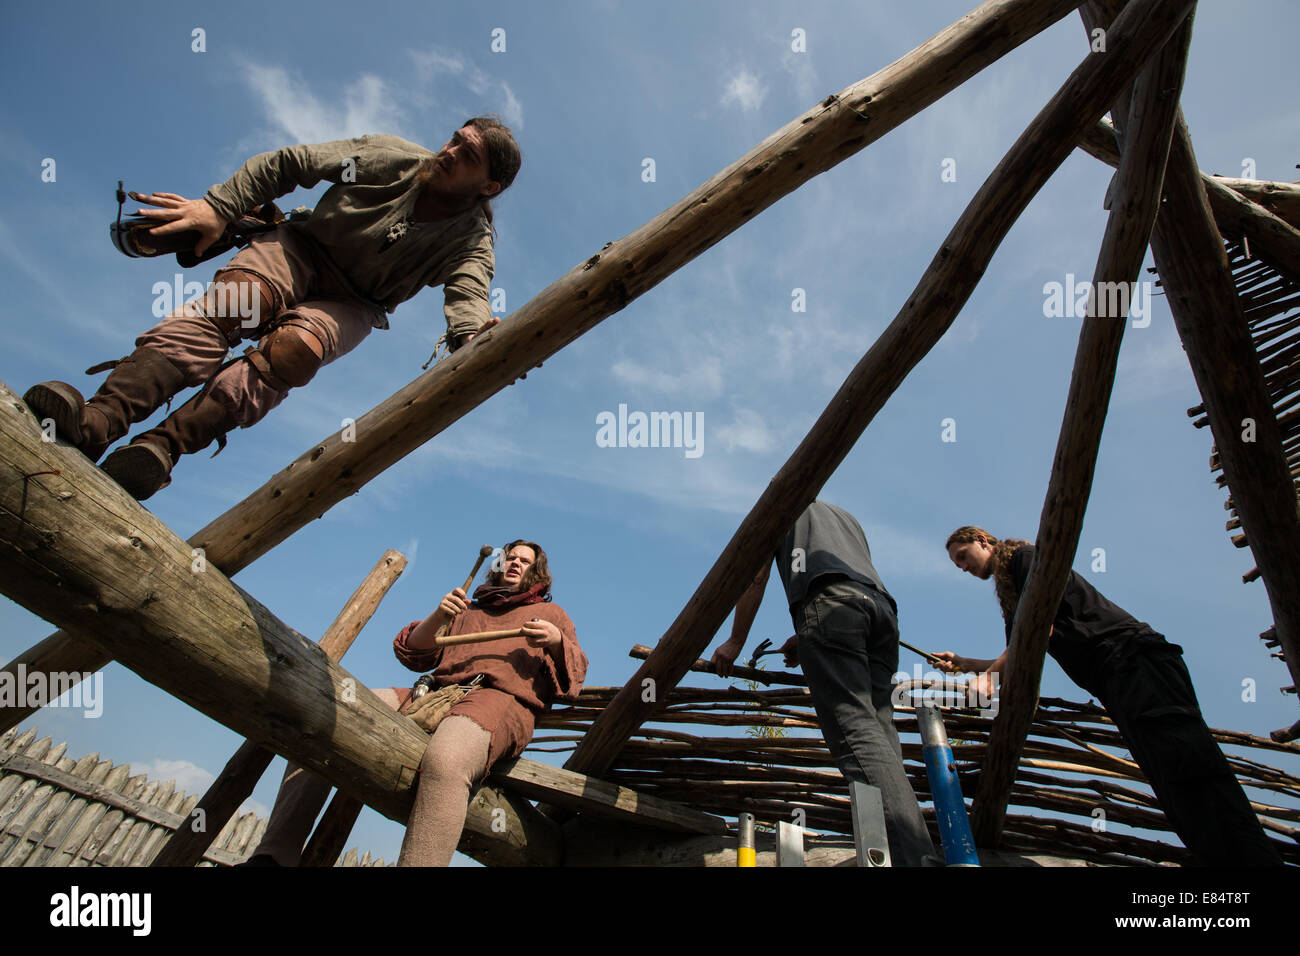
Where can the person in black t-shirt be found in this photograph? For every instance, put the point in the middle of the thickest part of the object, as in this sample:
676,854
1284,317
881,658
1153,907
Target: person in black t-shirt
1141,680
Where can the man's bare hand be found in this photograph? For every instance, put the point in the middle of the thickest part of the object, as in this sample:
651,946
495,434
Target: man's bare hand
465,339
791,651
452,604
724,657
982,688
178,214
542,633
951,663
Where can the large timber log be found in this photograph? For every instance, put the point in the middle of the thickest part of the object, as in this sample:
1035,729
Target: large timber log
1135,202
77,550
1193,267
242,772
837,128
928,313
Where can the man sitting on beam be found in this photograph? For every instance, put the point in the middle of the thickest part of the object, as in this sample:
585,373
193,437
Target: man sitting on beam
515,679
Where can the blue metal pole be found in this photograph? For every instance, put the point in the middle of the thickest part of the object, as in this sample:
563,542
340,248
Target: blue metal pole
949,807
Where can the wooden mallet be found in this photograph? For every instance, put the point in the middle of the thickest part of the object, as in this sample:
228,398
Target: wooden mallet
478,637
483,553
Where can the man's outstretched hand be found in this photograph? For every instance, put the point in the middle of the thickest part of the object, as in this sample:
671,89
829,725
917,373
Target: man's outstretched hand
177,214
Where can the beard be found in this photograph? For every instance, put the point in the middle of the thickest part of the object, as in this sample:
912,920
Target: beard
435,188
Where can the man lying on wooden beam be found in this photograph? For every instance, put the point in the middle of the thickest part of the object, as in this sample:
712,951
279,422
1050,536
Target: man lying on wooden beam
511,681
398,218
1141,680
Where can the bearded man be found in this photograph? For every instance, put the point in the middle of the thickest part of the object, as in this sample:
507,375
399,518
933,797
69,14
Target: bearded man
517,679
398,218
1141,680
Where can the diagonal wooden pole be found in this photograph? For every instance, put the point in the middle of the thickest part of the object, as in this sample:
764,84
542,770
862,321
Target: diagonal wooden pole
1193,267
930,310
835,129
1135,203
77,550
185,847
1271,237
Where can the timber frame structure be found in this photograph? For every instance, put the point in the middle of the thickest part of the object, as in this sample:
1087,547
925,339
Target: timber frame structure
82,554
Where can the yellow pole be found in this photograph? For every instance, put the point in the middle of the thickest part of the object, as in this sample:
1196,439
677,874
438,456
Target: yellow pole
745,853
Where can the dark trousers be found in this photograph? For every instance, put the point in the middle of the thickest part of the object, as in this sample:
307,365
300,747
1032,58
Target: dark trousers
1148,693
848,649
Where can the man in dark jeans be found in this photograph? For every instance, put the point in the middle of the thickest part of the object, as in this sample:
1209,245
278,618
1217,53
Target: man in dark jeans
846,640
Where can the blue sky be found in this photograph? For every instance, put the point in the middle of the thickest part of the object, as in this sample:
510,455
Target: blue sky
592,89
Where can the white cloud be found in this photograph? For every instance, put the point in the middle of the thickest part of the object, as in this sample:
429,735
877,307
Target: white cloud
432,63
748,431
745,90
190,777
701,378
802,74
364,105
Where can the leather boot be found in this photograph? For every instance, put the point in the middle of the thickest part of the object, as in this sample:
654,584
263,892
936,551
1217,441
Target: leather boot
145,465
137,385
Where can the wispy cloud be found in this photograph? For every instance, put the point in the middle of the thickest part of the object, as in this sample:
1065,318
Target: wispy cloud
189,777
803,74
1149,367
745,90
747,431
363,105
87,320
700,376
433,63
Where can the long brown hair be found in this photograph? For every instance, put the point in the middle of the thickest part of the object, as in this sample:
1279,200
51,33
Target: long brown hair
538,572
1003,585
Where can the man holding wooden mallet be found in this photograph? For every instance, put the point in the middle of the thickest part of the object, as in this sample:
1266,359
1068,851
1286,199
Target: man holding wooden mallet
521,651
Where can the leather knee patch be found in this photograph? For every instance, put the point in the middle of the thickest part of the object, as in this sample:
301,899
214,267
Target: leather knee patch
294,354
238,302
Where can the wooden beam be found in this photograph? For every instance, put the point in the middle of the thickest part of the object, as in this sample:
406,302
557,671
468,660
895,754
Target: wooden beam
1271,237
1135,202
331,834
832,131
576,791
77,550
60,653
700,666
242,772
1281,199
926,316
1193,267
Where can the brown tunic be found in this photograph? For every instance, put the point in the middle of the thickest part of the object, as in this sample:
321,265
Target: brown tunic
519,680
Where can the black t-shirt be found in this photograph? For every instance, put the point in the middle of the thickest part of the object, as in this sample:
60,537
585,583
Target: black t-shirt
1088,629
